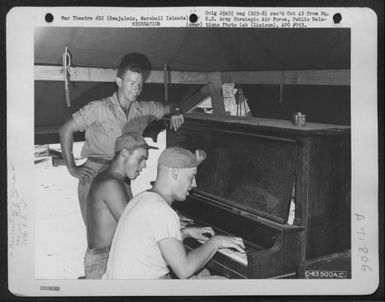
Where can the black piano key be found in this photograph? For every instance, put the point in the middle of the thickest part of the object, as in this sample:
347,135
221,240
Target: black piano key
246,251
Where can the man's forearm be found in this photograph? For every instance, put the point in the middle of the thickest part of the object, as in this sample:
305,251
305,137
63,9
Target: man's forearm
198,258
172,109
66,142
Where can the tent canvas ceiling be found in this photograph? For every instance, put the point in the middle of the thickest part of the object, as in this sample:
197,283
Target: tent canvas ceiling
198,49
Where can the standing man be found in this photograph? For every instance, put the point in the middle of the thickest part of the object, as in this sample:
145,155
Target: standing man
148,239
107,119
107,198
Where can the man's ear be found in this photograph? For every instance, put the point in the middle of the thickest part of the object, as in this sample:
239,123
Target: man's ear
124,153
174,173
118,81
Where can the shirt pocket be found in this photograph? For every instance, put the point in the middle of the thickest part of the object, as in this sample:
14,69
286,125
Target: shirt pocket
136,125
111,129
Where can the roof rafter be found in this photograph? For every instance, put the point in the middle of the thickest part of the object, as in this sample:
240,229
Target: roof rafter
333,77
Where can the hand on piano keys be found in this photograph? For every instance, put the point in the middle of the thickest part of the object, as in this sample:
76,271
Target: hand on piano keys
202,234
232,247
230,252
230,242
185,221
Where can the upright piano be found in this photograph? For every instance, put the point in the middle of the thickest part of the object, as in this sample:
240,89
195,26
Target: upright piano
284,189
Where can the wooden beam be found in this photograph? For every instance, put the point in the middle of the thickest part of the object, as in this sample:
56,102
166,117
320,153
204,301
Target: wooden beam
177,77
165,82
78,74
188,77
337,77
196,98
83,74
47,130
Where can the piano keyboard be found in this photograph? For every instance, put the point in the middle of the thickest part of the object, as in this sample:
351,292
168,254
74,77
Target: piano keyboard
231,253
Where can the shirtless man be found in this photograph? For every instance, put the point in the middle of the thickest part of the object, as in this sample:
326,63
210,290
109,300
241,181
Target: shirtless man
107,198
149,239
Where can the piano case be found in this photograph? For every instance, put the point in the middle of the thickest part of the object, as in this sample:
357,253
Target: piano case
255,168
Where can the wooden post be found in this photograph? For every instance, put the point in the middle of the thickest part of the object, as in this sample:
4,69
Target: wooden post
215,86
165,81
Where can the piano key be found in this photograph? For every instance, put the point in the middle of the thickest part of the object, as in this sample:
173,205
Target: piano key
245,250
237,256
233,254
229,252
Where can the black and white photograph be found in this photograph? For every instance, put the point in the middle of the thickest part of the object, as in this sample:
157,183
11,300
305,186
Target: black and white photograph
223,149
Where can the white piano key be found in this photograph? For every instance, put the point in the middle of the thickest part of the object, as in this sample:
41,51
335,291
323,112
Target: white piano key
234,255
237,256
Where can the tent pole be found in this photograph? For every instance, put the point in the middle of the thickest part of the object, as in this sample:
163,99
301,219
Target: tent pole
165,81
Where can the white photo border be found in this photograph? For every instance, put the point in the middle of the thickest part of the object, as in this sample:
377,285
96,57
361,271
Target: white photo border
21,22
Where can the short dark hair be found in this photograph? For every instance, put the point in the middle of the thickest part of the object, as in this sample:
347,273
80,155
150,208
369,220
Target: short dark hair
135,58
124,67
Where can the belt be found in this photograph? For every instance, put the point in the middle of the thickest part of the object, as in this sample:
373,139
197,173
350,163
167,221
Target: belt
99,250
100,160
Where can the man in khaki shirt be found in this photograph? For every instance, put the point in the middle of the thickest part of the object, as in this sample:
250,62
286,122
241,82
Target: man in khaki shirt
104,121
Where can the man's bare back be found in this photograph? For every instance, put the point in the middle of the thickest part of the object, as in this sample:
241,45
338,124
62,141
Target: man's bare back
108,196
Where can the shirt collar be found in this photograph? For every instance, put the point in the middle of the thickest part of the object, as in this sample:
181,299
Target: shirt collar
115,101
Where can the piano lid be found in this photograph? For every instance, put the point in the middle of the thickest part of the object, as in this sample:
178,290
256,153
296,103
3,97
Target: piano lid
251,172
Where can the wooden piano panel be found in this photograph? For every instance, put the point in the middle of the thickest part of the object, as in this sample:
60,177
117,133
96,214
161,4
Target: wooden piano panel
323,199
254,171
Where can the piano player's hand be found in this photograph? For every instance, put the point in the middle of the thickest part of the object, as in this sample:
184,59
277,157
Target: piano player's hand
229,242
185,222
199,233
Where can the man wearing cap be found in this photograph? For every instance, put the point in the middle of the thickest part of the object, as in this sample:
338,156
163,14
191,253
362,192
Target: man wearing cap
107,198
149,240
105,120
